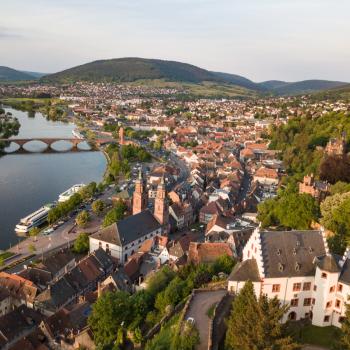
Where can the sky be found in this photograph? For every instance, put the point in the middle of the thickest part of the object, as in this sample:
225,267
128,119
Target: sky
259,39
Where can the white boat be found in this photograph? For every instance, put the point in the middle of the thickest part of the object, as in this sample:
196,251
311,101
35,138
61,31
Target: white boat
64,196
33,220
77,134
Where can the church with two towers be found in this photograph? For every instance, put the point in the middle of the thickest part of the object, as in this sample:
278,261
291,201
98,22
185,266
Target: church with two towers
124,238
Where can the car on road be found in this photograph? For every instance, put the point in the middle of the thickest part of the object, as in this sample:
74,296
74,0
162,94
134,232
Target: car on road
61,222
48,231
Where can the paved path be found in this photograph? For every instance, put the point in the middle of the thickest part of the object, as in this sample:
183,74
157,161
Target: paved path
198,310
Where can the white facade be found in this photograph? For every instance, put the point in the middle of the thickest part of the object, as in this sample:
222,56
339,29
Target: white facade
122,253
321,297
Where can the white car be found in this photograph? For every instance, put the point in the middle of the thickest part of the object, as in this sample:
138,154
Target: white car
48,231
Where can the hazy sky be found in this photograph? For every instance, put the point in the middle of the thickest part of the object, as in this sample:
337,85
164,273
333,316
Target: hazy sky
260,39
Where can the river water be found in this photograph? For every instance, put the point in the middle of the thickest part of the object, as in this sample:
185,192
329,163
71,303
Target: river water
27,181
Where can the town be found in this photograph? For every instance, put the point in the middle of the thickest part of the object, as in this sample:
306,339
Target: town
191,217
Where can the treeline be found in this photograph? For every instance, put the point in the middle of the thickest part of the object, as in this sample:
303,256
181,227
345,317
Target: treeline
117,314
64,208
299,139
9,126
52,111
120,159
289,210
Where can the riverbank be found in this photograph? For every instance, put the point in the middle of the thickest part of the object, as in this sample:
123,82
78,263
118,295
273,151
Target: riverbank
27,181
53,108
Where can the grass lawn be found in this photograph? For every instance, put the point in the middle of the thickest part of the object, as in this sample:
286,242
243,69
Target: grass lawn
313,335
6,255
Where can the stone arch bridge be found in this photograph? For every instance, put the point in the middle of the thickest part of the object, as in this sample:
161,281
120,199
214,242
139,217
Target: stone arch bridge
50,141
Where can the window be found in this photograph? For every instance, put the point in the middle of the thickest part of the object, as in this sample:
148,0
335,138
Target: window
294,302
276,288
326,319
313,301
307,301
324,275
337,303
307,286
340,288
315,288
332,289
329,304
341,319
296,287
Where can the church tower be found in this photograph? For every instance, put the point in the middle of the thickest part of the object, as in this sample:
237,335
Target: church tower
140,197
161,210
121,136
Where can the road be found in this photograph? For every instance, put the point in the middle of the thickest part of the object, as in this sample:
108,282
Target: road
64,235
198,309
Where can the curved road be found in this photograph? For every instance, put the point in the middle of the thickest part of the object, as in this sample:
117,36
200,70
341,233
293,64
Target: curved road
198,309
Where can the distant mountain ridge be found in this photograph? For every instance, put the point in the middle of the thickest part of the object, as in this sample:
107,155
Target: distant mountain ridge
131,69
10,74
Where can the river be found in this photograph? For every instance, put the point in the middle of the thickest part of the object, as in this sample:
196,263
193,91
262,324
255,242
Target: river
27,181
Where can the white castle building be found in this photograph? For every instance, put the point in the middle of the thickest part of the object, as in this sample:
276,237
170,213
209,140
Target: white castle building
296,266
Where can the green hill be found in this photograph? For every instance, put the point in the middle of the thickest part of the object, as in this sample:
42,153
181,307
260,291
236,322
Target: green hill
336,93
300,87
132,69
9,74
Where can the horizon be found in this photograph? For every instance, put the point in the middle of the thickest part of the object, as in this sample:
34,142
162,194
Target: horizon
274,40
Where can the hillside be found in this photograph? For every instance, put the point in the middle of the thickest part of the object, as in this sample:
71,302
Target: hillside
131,69
300,87
336,93
9,74
239,81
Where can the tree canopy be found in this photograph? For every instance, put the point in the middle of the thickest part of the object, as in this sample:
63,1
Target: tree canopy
115,214
256,324
290,210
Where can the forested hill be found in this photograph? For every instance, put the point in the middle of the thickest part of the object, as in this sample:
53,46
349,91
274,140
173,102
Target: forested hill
9,74
131,69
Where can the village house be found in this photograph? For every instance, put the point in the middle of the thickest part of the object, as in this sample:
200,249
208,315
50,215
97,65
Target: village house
317,189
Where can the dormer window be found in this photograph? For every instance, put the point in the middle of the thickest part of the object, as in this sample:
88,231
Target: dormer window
297,266
280,267
278,252
310,250
294,251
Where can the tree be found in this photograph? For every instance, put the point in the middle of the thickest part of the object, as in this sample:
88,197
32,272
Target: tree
31,248
344,341
109,314
82,218
115,214
98,206
81,244
256,324
335,168
335,212
289,209
33,232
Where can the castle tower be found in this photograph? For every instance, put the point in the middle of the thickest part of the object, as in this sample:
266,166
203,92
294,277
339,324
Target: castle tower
121,136
140,197
161,209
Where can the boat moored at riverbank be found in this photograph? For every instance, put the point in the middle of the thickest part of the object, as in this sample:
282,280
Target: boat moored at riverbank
34,219
64,196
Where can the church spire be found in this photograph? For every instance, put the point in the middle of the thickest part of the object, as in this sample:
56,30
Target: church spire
161,209
140,197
